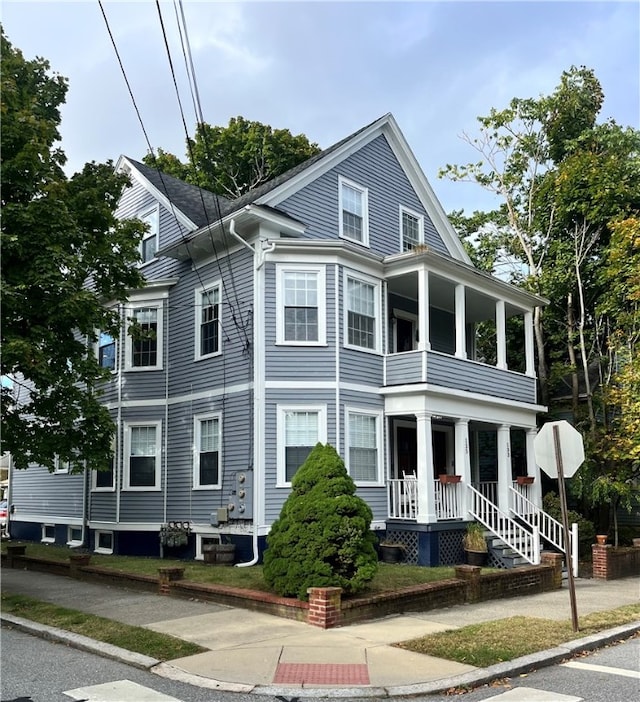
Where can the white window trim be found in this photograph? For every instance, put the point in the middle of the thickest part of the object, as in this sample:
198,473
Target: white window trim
347,274
200,538
98,549
282,410
127,455
420,219
365,211
73,542
198,319
60,467
281,269
133,305
378,414
96,349
141,216
197,419
94,479
48,539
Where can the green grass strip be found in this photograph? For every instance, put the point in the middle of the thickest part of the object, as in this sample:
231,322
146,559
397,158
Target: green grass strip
132,638
488,643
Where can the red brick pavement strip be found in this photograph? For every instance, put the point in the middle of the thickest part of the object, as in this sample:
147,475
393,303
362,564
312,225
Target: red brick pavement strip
322,674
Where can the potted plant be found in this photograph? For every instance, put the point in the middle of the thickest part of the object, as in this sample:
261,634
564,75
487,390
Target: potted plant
446,478
391,552
475,544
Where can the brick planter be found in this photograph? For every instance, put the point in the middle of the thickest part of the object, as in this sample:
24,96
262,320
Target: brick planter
166,576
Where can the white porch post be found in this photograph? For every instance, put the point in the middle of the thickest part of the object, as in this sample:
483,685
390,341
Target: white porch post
424,343
528,344
535,490
426,493
463,460
504,467
461,341
501,334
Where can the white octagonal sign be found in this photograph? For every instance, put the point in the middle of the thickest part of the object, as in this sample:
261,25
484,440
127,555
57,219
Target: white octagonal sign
571,448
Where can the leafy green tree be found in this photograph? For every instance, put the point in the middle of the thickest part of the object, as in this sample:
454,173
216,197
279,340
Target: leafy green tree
58,233
234,159
322,537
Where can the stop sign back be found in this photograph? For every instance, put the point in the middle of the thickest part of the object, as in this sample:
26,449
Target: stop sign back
570,443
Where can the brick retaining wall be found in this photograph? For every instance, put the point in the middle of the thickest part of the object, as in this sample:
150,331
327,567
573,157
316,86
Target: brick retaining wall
610,563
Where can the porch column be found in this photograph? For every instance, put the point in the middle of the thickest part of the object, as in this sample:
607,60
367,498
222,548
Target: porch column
463,460
535,490
461,316
424,343
426,491
504,467
528,344
501,335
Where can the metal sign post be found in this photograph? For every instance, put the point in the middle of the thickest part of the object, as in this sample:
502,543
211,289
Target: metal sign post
565,526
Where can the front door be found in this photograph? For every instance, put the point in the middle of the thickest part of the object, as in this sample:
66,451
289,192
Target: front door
406,451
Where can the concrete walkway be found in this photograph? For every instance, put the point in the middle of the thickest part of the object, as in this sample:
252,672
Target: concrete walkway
260,653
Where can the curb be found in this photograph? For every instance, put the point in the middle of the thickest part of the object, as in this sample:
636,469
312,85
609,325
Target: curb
474,678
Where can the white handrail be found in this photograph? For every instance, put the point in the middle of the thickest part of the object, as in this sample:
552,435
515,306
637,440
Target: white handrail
550,529
516,536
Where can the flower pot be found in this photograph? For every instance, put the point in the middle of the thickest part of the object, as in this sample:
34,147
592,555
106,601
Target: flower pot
209,552
476,558
524,479
226,554
601,539
445,478
391,553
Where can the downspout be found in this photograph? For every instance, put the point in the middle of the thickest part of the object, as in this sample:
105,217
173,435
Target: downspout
258,385
10,506
119,457
165,428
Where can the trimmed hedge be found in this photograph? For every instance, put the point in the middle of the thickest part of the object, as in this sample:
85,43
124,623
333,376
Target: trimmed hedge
322,537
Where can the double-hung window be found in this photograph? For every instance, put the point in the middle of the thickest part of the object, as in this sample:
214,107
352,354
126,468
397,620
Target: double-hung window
299,430
206,467
106,351
364,441
354,212
149,242
104,480
411,228
208,323
144,337
142,444
301,306
361,313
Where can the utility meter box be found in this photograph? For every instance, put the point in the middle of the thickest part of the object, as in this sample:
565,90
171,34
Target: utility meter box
240,504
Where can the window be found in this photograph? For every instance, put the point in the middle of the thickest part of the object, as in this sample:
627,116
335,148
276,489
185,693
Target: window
106,351
144,338
104,479
74,536
60,467
104,542
207,452
48,534
299,430
143,456
412,229
363,441
354,216
361,314
301,295
208,321
149,243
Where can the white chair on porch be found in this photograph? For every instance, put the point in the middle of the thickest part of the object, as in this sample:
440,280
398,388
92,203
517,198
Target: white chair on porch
409,494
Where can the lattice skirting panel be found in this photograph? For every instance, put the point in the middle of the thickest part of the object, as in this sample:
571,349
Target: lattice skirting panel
450,547
409,539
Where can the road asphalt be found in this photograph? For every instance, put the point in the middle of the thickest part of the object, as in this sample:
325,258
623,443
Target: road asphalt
263,654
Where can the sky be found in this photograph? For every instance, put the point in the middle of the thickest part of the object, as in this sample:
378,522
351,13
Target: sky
323,69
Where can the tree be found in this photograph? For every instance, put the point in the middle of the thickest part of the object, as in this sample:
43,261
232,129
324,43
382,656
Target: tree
234,159
322,537
64,254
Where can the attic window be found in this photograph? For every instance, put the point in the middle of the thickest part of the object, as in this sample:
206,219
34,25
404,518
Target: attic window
412,229
354,215
149,243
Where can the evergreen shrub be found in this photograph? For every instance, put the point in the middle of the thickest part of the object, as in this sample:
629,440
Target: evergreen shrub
322,537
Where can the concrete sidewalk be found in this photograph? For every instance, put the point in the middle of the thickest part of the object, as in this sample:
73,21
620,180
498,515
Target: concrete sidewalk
260,653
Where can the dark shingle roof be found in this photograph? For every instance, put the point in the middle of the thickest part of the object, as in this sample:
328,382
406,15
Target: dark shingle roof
190,198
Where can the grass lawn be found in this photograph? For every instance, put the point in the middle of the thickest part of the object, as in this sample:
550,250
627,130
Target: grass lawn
493,642
131,638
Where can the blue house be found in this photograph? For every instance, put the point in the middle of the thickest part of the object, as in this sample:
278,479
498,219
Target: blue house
334,303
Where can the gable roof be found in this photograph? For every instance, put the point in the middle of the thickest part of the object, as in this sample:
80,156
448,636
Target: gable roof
201,208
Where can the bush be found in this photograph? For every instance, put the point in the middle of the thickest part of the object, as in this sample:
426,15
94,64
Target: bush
322,537
586,530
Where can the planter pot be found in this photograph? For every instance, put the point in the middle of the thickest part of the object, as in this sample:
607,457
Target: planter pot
601,539
476,558
226,554
391,553
524,479
444,478
209,552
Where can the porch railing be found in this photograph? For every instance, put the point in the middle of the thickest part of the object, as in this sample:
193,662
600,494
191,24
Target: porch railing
550,529
403,498
524,540
448,500
488,489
